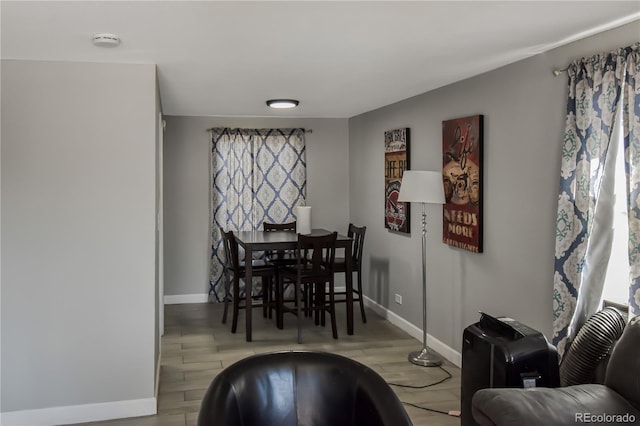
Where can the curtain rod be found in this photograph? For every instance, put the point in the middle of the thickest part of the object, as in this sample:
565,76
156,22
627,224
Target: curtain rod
557,71
305,130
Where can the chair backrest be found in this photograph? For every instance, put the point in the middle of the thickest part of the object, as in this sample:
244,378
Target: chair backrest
317,253
290,226
300,387
270,227
357,233
230,250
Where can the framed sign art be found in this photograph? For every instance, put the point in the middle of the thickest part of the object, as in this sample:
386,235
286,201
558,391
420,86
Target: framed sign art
462,179
396,161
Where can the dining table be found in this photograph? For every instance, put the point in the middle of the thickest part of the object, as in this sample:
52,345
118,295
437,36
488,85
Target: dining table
259,241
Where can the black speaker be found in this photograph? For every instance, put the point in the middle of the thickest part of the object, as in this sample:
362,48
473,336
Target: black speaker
503,353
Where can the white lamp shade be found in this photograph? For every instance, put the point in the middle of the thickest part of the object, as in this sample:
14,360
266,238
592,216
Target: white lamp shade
422,187
303,219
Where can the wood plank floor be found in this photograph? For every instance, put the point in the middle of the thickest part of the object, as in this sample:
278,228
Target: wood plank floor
196,346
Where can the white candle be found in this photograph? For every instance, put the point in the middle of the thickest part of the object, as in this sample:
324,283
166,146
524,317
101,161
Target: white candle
303,219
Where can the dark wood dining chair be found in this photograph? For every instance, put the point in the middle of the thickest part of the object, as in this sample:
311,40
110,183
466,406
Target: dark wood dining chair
280,257
313,275
357,234
289,226
234,267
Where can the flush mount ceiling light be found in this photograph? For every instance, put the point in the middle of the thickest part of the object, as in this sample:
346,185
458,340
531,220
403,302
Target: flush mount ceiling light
106,40
282,103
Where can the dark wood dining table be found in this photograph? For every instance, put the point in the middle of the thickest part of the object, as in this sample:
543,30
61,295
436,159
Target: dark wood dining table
258,241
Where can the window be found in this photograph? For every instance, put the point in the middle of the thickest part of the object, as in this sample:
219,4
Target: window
616,283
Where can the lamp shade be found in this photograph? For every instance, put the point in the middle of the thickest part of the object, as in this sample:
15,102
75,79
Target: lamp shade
422,187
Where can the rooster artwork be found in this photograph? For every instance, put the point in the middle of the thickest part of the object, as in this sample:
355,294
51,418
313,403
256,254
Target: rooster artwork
462,179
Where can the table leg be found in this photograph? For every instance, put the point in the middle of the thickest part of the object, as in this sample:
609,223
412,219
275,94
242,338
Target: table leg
349,287
248,288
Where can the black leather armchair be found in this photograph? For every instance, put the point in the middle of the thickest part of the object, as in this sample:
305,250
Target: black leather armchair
300,388
617,401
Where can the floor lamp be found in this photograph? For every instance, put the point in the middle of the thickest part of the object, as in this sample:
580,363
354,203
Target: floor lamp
423,187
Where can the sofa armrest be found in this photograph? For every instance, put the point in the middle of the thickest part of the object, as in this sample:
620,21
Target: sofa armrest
623,371
558,406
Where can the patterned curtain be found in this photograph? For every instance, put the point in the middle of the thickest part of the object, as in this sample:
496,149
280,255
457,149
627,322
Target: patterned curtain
257,175
631,132
584,220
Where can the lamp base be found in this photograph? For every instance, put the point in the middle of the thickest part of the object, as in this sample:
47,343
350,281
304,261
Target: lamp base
425,358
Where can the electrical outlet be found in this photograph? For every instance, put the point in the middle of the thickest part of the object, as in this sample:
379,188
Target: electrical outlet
398,299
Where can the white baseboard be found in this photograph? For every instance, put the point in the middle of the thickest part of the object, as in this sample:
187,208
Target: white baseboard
80,413
446,351
179,299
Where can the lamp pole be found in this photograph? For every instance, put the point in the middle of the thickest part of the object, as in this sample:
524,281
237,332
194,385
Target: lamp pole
424,357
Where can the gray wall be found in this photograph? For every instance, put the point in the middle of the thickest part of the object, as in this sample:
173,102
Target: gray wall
78,218
524,108
186,189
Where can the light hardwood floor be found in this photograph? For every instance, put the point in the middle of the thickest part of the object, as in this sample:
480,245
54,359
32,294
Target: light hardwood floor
196,346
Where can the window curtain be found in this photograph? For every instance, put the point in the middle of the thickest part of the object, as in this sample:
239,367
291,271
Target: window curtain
598,87
257,175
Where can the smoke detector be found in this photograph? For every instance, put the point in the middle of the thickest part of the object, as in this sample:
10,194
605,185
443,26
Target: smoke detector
106,40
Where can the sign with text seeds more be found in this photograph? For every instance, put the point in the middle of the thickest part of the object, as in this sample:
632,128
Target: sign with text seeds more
462,179
396,161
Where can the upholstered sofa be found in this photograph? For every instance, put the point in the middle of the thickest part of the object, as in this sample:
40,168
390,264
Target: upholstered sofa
300,388
616,401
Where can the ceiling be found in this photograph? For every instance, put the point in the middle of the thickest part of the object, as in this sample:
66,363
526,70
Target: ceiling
338,58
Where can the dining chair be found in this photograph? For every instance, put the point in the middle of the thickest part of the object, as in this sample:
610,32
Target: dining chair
289,226
233,266
357,234
312,275
280,257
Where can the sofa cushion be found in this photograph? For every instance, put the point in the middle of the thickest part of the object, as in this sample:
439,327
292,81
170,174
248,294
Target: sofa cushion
557,406
623,371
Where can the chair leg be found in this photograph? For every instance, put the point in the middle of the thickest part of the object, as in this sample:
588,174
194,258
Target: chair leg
299,306
332,307
236,303
321,303
361,298
307,296
266,289
271,295
314,302
227,285
279,303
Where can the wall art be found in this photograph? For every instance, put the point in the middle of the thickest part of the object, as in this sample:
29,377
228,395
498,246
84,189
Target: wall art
396,161
462,179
